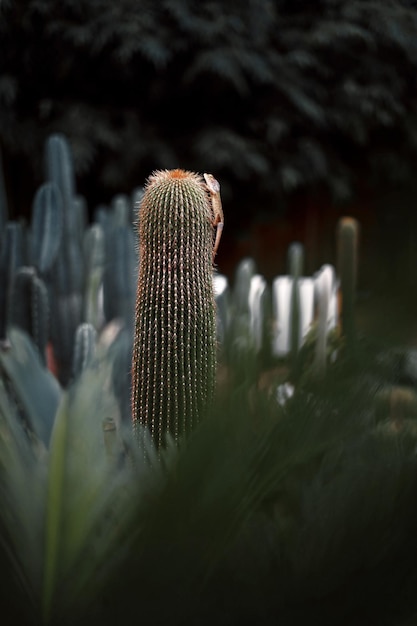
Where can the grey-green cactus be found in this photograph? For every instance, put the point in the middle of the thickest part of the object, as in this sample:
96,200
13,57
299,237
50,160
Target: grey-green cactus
245,271
60,171
94,255
46,227
322,287
12,256
174,355
84,348
239,342
347,239
29,307
296,263
122,210
67,280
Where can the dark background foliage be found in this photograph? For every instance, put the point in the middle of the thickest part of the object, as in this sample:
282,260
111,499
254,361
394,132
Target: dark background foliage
280,99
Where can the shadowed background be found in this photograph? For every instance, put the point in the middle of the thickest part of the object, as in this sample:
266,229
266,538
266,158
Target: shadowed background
303,110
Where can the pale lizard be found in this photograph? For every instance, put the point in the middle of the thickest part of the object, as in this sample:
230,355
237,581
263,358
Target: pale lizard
213,188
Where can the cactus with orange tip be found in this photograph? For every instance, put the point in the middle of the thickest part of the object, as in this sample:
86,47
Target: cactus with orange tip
174,354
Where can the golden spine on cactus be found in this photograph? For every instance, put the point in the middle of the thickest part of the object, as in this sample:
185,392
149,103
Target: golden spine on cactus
174,353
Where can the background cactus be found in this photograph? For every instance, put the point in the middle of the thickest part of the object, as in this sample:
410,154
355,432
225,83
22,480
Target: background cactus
29,307
119,273
348,236
296,264
174,355
46,227
67,281
84,348
240,339
94,255
323,288
13,256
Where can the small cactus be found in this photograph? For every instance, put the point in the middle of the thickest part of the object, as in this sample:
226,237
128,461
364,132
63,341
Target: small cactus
119,277
323,289
67,272
60,171
240,343
12,257
245,271
29,307
84,348
46,227
174,355
296,262
348,236
122,210
94,254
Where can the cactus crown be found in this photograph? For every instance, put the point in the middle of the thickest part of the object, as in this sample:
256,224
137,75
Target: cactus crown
174,347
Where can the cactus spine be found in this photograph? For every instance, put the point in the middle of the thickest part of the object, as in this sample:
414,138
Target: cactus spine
174,354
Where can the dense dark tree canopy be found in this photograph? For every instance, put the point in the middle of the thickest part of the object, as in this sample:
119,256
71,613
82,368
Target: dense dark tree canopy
270,95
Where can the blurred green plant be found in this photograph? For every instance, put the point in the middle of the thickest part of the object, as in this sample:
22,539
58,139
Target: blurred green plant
293,506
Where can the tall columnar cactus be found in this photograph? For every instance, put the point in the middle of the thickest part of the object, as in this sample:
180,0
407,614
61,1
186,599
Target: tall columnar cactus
67,280
94,255
174,355
240,349
46,227
323,288
12,256
119,274
84,348
348,236
29,307
296,263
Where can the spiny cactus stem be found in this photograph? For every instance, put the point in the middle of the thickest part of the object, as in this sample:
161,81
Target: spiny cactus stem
348,235
296,262
174,349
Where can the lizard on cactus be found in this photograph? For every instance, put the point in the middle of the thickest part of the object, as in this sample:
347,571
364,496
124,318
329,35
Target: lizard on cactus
174,353
213,188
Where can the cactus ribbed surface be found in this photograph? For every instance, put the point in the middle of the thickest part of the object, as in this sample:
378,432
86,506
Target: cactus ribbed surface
174,355
67,271
46,227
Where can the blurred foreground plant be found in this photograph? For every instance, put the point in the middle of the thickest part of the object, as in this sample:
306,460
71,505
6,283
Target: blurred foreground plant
261,511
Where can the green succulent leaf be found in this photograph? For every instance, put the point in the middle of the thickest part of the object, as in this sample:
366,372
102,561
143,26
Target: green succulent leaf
36,390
